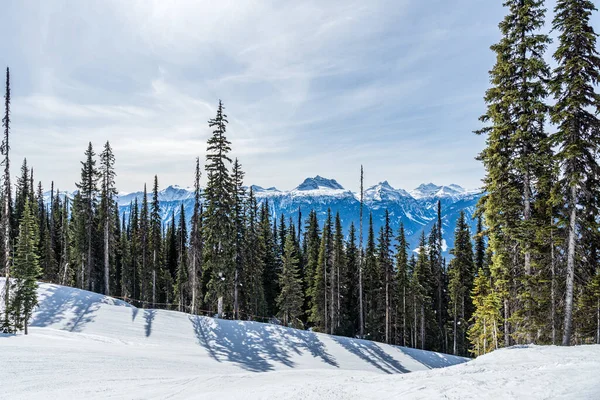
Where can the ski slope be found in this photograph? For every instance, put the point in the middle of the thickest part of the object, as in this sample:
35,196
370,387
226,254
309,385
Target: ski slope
85,345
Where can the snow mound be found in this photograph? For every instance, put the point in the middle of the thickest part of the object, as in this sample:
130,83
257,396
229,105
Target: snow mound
86,345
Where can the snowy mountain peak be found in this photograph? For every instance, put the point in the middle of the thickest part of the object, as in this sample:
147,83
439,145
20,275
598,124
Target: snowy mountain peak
318,182
431,190
259,189
383,191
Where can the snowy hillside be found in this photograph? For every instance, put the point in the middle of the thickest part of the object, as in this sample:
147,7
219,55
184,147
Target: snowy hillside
85,345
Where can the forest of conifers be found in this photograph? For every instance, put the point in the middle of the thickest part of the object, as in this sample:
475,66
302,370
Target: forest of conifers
529,274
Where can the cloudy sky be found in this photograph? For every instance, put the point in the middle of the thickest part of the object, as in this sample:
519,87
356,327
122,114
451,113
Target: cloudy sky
310,87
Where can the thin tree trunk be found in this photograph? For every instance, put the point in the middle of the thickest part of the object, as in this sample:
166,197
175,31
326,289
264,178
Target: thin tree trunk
235,295
598,321
455,329
194,280
332,305
404,316
106,259
506,323
360,262
153,277
570,269
422,326
387,308
553,288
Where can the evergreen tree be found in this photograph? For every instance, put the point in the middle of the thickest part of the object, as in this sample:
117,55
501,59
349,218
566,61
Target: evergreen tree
403,285
352,307
290,298
254,291
320,299
196,245
239,198
268,253
144,272
23,193
127,269
182,269
88,192
25,270
576,116
46,252
421,291
386,269
218,214
372,287
6,204
517,159
312,243
484,332
338,279
461,284
156,240
480,253
107,197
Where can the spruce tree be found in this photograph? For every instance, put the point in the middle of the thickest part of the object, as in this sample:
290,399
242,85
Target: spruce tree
403,285
196,245
290,298
351,327
25,270
239,199
517,159
421,292
218,214
270,263
312,242
88,192
372,287
23,193
144,272
320,297
47,260
254,291
155,240
182,268
338,279
6,204
461,284
575,114
107,196
386,269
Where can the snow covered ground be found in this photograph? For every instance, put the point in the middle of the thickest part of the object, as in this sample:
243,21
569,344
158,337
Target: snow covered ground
85,345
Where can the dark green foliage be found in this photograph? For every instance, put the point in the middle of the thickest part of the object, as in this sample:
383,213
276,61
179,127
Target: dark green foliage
290,298
218,225
577,138
402,288
25,270
461,274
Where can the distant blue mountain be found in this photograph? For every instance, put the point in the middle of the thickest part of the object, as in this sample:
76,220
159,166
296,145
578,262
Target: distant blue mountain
417,209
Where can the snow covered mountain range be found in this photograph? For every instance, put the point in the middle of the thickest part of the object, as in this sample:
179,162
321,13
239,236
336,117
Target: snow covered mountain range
416,208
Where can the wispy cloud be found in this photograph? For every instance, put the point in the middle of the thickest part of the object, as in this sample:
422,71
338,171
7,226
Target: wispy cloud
311,87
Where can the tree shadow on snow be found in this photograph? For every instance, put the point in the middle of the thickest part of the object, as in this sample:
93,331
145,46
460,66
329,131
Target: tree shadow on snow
149,316
371,353
431,359
70,309
255,346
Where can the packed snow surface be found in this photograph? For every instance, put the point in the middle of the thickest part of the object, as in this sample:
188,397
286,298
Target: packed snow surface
85,345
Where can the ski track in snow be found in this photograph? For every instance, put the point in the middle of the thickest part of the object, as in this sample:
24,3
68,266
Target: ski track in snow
85,345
